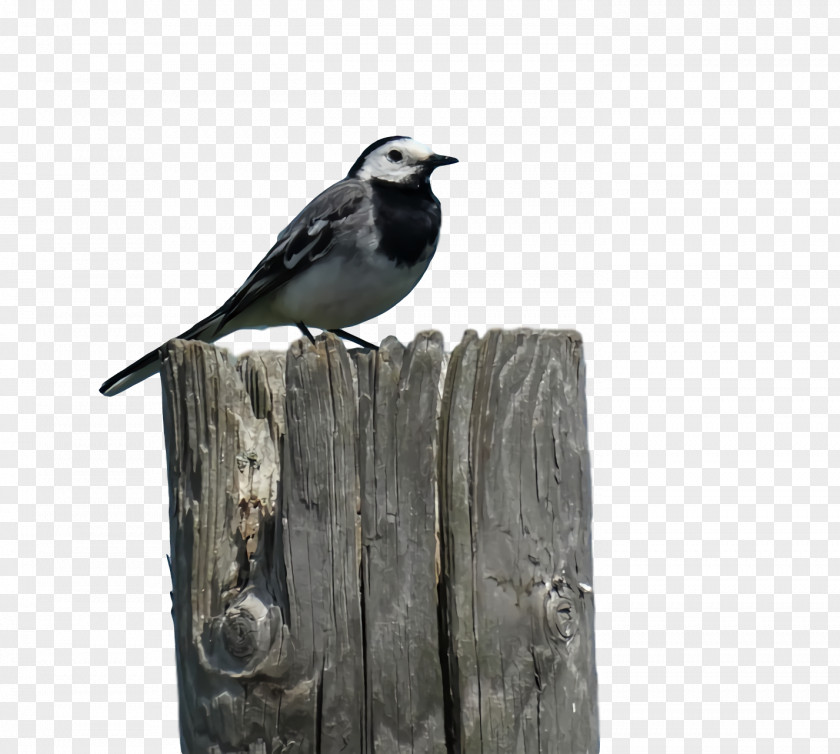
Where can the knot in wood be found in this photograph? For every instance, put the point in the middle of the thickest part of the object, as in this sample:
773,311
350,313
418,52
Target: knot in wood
239,633
247,459
561,614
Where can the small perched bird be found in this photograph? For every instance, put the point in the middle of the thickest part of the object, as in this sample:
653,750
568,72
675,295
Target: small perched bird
355,251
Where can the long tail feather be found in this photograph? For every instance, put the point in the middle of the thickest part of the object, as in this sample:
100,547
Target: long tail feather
208,330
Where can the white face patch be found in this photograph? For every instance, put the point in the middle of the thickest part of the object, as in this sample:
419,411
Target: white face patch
396,161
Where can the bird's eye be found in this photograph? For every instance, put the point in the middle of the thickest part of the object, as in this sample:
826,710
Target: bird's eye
395,155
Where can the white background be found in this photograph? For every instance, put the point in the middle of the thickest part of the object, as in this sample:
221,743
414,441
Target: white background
663,178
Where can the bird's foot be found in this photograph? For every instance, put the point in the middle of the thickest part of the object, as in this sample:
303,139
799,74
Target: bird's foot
305,330
353,339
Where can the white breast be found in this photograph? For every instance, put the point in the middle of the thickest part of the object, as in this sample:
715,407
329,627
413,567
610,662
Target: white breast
340,291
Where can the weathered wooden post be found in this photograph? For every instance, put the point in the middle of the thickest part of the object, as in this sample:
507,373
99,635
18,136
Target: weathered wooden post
382,552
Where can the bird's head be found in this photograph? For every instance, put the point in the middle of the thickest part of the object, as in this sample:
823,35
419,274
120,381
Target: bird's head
399,160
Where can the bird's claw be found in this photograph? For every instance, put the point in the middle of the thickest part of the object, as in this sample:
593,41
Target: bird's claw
305,330
354,339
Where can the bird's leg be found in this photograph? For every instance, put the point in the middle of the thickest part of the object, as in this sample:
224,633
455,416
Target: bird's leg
305,330
354,339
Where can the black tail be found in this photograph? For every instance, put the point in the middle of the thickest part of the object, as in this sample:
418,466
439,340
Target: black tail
208,330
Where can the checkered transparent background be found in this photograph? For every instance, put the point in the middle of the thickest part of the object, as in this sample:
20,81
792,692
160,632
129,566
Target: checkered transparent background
669,185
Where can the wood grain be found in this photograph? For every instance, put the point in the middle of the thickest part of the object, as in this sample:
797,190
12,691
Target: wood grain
382,551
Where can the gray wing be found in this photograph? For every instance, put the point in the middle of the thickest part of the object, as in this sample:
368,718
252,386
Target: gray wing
308,238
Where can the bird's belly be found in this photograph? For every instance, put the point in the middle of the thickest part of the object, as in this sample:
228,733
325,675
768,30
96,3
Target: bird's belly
343,292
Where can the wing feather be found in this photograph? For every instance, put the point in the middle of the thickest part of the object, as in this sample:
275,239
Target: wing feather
308,238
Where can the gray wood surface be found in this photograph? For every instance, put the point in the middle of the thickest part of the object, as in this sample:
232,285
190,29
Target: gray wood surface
399,403
517,564
382,552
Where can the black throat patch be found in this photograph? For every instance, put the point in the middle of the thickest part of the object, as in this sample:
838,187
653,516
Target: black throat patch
408,220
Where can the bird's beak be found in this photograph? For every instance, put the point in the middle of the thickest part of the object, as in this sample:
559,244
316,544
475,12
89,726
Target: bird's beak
437,160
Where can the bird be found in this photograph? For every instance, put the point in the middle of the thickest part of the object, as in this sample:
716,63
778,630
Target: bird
355,251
